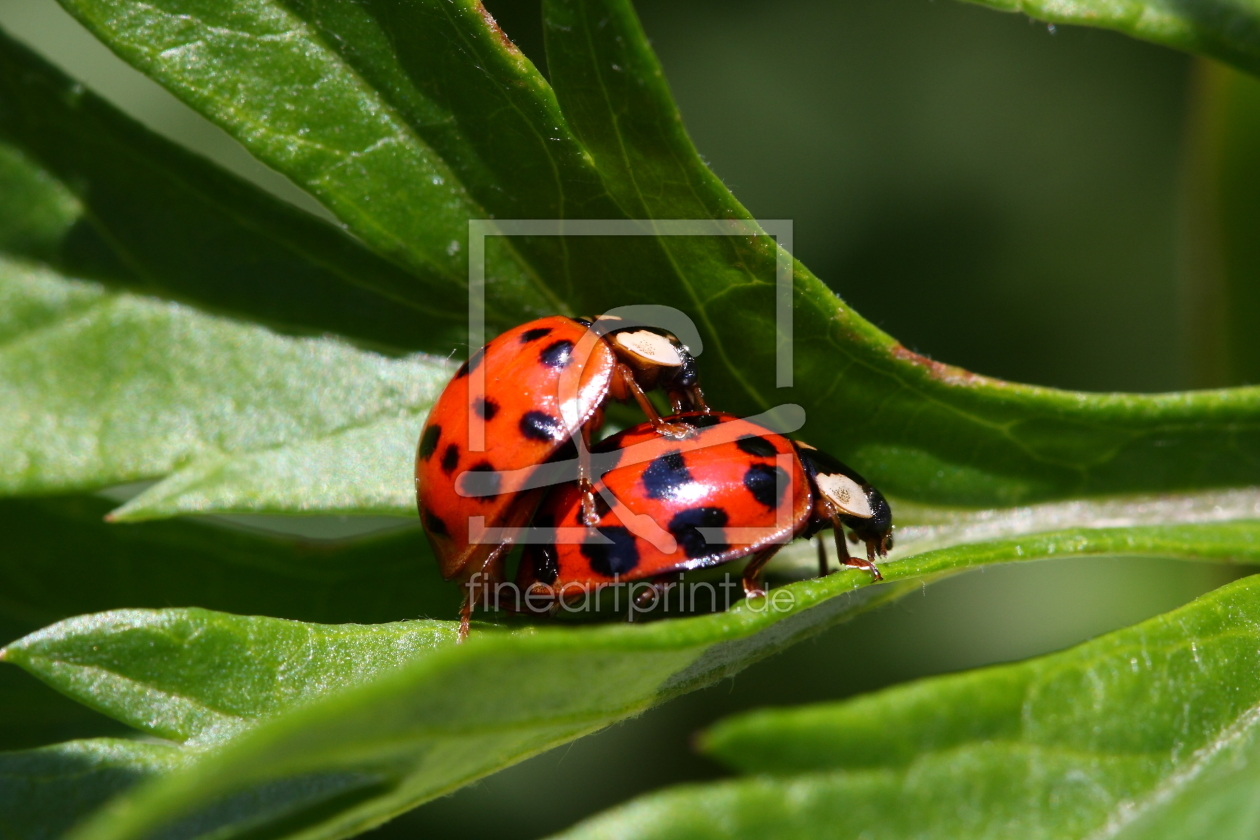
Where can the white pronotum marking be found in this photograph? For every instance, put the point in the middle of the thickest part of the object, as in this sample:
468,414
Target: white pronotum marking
651,347
845,493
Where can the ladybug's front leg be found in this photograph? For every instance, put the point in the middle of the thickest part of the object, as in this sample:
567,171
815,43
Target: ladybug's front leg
752,572
479,585
851,561
630,385
823,569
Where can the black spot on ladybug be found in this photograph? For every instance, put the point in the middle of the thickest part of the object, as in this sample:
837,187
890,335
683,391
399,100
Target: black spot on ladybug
557,354
470,365
486,409
434,524
758,446
539,425
534,334
615,559
766,483
429,441
700,421
450,458
686,525
481,480
666,475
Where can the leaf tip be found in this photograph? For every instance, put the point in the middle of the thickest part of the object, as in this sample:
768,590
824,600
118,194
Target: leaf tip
123,514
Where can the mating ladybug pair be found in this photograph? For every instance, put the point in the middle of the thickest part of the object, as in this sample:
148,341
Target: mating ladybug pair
508,444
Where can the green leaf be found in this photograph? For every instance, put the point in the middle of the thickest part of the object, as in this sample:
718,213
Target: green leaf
918,428
116,203
1225,29
434,725
1146,732
370,146
244,669
35,715
99,388
37,211
441,720
43,792
47,575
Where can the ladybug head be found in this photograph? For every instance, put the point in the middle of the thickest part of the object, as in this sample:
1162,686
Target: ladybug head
855,502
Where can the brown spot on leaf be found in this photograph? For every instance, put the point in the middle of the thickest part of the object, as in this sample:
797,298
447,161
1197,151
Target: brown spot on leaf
949,374
496,29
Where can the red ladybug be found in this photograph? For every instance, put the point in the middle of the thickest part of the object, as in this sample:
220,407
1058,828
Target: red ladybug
734,489
516,404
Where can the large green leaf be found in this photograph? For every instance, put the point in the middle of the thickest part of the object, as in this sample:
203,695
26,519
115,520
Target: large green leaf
438,720
1146,732
119,204
98,388
1224,29
243,669
46,575
384,152
919,428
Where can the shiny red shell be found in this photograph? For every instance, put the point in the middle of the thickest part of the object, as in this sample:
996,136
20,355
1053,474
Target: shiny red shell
512,406
728,492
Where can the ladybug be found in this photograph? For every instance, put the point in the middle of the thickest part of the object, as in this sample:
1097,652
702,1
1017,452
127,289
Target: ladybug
516,404
734,489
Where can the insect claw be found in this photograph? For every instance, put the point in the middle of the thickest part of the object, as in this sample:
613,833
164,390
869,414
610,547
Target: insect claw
676,431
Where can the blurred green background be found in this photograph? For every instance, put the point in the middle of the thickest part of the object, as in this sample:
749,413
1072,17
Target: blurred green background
992,193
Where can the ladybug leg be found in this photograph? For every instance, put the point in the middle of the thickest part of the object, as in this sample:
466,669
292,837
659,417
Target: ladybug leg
752,572
856,562
589,517
490,575
465,616
678,431
649,595
823,569
655,592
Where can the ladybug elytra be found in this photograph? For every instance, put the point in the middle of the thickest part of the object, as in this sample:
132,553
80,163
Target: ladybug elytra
735,489
520,402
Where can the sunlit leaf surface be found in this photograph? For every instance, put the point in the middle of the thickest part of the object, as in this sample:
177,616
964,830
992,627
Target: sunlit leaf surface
1146,732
